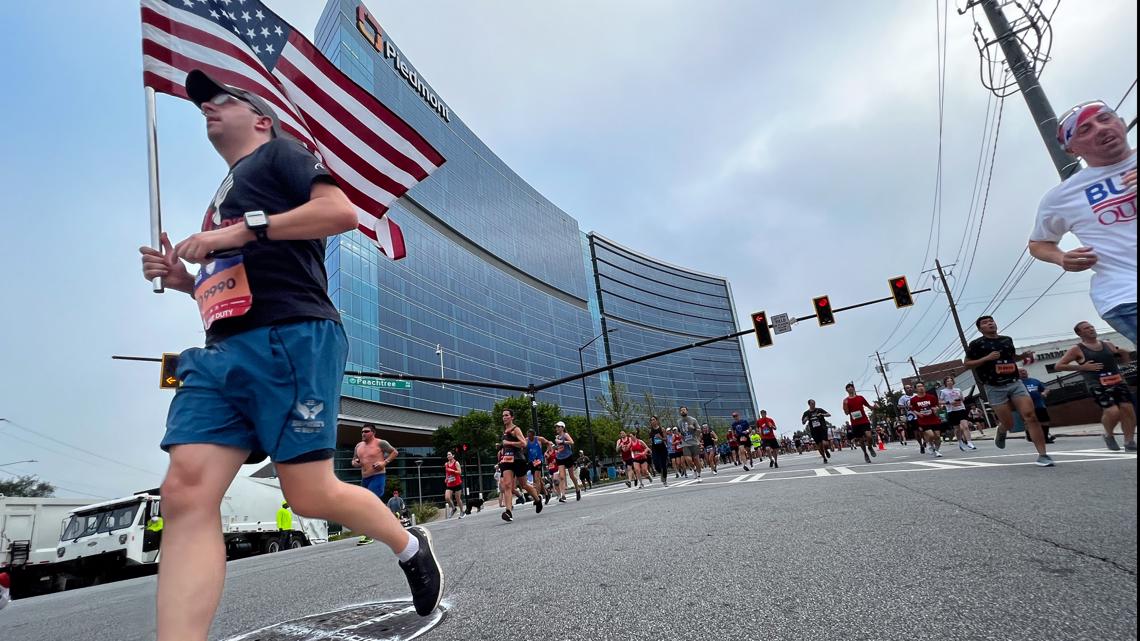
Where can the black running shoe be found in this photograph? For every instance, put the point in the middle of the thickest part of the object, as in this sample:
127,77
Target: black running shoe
425,577
745,468
562,499
628,484
507,516
547,498
537,507
577,494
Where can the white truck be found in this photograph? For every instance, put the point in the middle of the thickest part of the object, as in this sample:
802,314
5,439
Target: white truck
29,536
110,540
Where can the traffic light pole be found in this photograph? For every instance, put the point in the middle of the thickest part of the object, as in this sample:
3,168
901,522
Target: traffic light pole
1030,85
883,371
961,334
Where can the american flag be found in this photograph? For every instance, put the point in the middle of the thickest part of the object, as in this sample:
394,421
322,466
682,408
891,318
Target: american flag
374,155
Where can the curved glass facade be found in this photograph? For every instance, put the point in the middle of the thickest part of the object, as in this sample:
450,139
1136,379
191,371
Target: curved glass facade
498,281
654,306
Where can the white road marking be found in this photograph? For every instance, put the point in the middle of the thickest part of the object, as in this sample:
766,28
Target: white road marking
822,471
844,470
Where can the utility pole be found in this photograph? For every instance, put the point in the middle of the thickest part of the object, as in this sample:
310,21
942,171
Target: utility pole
961,334
915,368
883,371
1026,76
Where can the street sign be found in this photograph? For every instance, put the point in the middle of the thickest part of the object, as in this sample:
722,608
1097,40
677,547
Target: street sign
781,323
383,383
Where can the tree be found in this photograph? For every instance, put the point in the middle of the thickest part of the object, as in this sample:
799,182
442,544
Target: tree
663,411
620,407
887,409
548,415
27,486
476,429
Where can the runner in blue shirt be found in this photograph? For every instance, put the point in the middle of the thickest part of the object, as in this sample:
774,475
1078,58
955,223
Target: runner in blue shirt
743,429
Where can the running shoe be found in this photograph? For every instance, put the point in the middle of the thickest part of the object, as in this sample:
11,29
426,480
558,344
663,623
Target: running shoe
715,473
922,449
771,463
1110,442
365,540
461,515
1130,446
872,451
777,465
866,457
425,577
538,507
937,454
507,516
971,446
562,499
628,484
1044,461
999,439
547,499
745,468
577,494
961,446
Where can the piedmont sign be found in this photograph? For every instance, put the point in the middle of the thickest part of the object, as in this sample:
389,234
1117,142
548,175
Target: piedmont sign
374,35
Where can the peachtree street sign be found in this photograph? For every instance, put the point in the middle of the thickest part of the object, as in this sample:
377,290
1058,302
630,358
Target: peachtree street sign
384,383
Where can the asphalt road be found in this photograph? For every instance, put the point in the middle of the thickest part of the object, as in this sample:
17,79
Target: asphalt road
904,548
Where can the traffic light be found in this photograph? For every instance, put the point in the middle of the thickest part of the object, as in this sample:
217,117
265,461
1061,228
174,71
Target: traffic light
900,291
763,332
169,378
823,314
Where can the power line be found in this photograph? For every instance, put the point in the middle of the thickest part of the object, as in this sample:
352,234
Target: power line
1125,96
1035,301
80,449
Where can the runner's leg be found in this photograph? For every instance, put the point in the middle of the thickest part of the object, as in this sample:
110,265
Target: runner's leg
193,567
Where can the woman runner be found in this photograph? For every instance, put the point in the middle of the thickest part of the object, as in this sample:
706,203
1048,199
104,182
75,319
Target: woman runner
659,448
453,484
640,452
566,458
624,445
956,415
513,465
708,446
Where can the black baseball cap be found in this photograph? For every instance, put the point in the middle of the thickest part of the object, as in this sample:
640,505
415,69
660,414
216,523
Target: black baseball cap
201,88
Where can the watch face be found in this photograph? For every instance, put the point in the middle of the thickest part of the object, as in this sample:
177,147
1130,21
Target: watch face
256,218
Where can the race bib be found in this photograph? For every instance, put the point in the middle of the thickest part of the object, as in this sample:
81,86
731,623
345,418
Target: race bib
221,289
1005,367
507,458
657,440
925,412
450,478
536,461
816,424
856,414
1108,380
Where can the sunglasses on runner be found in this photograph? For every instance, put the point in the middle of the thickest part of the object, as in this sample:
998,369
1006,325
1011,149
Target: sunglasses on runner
224,98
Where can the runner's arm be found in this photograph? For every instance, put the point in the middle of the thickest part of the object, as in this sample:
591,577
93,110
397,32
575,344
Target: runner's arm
1119,353
1067,364
388,458
356,456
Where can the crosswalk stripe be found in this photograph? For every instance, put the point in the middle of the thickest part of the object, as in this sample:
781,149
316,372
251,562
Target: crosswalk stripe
973,463
741,478
819,471
844,470
940,466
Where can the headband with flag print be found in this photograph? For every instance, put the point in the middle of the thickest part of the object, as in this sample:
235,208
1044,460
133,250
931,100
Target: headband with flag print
1067,127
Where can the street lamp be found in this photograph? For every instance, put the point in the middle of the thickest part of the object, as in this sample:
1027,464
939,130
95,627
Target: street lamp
439,353
705,408
420,478
586,400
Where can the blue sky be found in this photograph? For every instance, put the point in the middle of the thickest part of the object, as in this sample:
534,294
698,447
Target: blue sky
790,147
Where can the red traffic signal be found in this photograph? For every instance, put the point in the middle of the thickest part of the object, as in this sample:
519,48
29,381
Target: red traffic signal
823,313
900,291
763,332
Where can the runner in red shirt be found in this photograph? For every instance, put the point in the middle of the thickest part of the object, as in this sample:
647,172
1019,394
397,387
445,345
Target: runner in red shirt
640,452
925,406
768,440
453,484
858,411
625,448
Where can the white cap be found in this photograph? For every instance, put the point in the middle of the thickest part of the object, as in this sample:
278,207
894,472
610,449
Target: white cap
559,424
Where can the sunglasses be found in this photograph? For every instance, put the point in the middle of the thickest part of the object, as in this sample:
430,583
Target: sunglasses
226,98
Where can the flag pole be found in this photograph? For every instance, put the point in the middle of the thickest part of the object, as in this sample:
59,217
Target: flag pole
152,175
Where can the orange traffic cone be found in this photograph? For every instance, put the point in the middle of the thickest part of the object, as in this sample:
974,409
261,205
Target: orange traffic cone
882,446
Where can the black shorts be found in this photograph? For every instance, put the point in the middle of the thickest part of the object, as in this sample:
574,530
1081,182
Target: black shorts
956,417
567,462
1042,414
818,434
771,442
911,429
1106,397
858,431
519,468
674,455
458,489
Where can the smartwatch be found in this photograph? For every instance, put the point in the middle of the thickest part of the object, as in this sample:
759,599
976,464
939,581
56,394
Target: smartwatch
258,223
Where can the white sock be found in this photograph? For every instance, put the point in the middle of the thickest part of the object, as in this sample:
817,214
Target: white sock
410,549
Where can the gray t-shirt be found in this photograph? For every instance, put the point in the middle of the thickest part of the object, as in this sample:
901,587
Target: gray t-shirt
689,429
396,504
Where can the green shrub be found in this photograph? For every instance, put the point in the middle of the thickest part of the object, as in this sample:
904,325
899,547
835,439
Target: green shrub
424,512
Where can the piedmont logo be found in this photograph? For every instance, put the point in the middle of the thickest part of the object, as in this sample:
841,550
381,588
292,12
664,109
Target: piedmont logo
374,35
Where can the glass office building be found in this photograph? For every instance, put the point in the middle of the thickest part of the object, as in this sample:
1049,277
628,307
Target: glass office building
499,284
